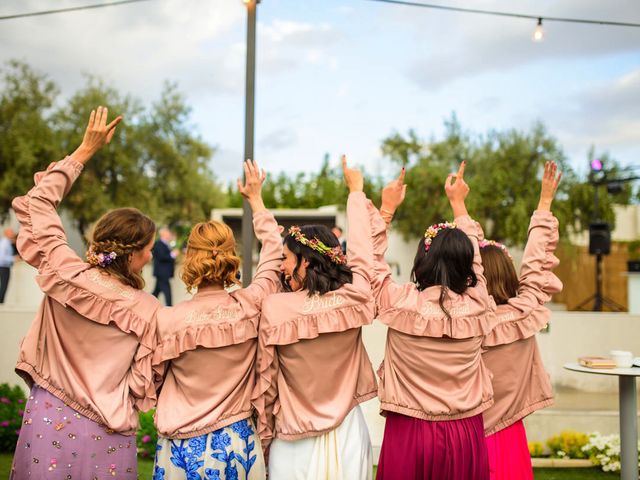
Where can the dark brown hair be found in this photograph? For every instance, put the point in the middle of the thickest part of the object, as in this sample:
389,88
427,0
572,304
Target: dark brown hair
448,263
323,275
502,279
211,256
122,231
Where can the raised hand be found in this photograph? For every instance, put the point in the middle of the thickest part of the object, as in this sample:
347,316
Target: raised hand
549,185
457,190
353,178
392,196
97,134
252,189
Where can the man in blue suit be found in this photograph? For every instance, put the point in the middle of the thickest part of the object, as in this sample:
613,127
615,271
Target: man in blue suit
164,261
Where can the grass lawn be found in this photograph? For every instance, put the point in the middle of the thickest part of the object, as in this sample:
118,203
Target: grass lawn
145,469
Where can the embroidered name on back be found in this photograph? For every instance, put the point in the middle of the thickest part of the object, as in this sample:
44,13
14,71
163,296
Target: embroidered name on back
101,280
506,317
196,316
320,302
434,309
220,313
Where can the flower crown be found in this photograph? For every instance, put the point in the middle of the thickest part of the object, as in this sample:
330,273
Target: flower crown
335,253
100,259
433,230
493,243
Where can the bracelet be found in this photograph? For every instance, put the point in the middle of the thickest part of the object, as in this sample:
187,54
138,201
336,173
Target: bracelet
386,216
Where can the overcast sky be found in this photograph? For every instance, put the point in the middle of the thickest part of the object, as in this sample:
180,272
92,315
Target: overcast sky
338,76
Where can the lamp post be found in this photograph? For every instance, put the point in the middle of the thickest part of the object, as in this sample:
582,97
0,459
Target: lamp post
250,80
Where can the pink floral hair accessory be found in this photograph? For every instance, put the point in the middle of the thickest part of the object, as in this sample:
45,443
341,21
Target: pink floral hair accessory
100,259
334,253
433,230
493,243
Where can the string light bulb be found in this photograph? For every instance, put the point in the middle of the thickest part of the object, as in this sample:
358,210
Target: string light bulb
538,33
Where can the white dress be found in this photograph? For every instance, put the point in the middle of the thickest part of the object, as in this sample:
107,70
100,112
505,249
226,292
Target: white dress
341,454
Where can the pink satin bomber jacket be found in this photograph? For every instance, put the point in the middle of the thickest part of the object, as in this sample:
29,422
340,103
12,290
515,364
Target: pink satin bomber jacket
313,368
207,348
433,367
520,383
91,341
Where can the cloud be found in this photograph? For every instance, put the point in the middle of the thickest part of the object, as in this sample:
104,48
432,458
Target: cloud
279,139
285,45
452,46
226,165
136,45
606,115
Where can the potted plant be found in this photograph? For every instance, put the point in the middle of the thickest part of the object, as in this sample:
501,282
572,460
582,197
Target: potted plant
633,264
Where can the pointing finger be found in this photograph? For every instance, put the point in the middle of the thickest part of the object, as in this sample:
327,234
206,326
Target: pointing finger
401,176
461,169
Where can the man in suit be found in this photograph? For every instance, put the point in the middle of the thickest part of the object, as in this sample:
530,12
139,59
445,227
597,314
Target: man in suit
164,261
6,260
337,231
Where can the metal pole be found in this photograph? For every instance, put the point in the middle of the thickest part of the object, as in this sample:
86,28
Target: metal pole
247,224
628,427
597,305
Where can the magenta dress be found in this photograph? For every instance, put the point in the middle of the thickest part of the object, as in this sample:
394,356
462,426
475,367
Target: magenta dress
438,450
509,454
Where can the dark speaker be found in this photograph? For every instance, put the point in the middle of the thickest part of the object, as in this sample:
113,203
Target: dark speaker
599,238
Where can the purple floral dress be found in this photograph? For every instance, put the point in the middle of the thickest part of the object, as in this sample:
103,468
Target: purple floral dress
56,442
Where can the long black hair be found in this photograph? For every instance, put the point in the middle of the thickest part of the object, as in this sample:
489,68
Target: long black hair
448,263
323,275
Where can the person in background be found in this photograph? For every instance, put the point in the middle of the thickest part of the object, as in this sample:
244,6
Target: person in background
337,231
7,255
164,262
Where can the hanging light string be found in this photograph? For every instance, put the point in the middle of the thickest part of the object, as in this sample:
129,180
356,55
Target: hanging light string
507,14
70,9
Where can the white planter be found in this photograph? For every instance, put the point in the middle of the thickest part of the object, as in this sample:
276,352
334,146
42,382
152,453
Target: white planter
561,463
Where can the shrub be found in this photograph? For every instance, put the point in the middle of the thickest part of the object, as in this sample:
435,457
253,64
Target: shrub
536,449
568,445
12,404
147,436
604,451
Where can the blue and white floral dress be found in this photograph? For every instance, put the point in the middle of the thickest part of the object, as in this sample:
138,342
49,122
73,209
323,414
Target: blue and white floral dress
230,453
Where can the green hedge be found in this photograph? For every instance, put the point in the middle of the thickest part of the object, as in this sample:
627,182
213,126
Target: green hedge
12,404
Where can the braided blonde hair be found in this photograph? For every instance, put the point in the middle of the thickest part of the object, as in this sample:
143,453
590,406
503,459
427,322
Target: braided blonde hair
122,231
211,256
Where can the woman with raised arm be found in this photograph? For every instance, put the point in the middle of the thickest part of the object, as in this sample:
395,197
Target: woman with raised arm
313,368
433,383
87,355
207,348
520,383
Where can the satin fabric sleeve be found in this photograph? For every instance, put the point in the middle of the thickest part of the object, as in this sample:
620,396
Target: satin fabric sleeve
385,290
359,242
267,389
537,282
42,241
525,313
266,279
